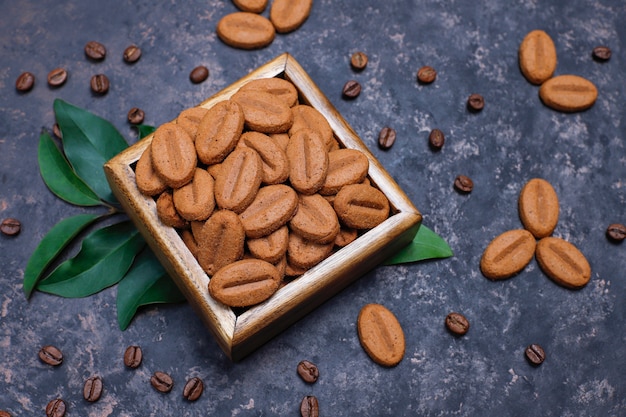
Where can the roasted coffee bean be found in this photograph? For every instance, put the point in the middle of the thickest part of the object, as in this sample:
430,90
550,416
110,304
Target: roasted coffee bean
132,54
309,407
535,354
92,390
95,50
351,89
51,355
436,139
308,371
25,82
10,226
457,323
386,137
162,382
199,74
57,77
463,184
616,232
426,74
4,413
358,61
193,389
136,115
475,102
601,53
133,356
99,84
56,408
57,131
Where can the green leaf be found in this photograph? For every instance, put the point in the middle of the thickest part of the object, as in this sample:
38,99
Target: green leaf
89,141
51,246
103,260
145,283
426,245
59,176
144,130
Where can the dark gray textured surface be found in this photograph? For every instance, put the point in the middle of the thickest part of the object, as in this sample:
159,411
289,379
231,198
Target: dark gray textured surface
473,46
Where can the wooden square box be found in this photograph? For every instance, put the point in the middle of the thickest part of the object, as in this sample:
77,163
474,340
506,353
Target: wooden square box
240,334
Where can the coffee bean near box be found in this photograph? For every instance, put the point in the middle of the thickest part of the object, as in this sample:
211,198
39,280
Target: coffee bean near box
261,203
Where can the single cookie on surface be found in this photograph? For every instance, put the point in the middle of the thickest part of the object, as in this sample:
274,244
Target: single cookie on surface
252,6
289,15
568,93
245,30
537,56
507,254
381,335
563,262
539,207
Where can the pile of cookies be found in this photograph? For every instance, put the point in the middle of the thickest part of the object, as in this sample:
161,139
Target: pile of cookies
259,188
510,252
248,29
538,60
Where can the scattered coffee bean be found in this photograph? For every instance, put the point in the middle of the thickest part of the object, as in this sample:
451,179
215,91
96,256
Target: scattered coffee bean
92,390
99,84
426,74
133,356
57,77
457,323
308,371
358,61
95,51
199,74
463,184
436,139
25,82
601,53
351,89
4,413
132,54
535,354
10,226
57,131
616,232
309,407
56,408
162,382
475,102
136,115
386,137
193,389
51,355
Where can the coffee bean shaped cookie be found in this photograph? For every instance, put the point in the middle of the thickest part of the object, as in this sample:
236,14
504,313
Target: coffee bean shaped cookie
173,155
308,117
345,166
537,56
308,161
219,131
279,87
507,254
289,15
166,211
272,208
563,262
273,158
361,206
539,207
148,181
221,241
381,335
568,93
305,254
264,112
245,283
245,30
239,180
271,248
195,200
252,6
189,119
315,219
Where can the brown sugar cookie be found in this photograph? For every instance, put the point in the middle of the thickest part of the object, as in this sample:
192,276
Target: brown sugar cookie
345,166
252,6
308,117
219,131
315,219
148,181
303,253
289,15
263,111
221,241
195,200
568,93
189,119
166,211
271,248
361,206
346,236
273,157
272,208
279,87
173,155
308,161
381,335
507,254
563,262
245,30
537,56
539,207
239,180
245,283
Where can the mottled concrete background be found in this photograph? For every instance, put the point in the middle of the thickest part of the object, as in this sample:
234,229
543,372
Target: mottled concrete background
473,45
